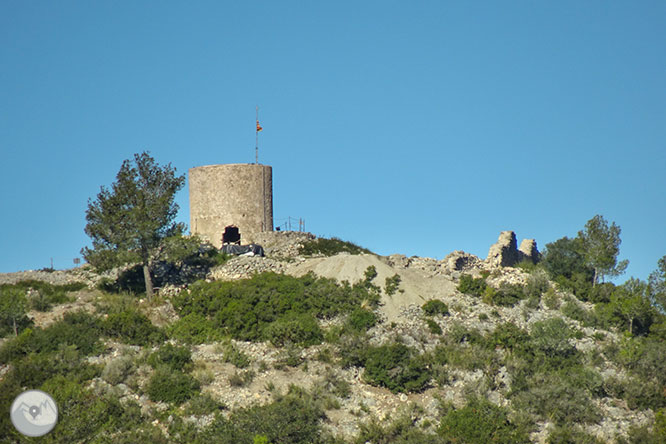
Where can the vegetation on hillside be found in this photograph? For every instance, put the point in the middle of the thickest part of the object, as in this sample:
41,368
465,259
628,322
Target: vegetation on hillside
574,344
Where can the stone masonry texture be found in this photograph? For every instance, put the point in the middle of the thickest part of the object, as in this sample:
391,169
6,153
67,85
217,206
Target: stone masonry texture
238,195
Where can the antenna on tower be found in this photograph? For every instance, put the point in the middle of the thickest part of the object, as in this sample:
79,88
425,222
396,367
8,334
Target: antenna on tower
256,146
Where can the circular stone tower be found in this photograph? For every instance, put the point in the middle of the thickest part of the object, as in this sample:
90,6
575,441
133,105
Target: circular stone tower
232,201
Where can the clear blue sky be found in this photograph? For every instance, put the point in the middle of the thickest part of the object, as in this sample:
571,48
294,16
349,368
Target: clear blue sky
412,127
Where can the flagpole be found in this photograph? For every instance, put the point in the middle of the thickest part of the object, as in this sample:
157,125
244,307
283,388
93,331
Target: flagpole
256,146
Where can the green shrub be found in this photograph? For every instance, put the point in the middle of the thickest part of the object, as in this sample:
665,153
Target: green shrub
434,327
361,319
330,247
117,370
551,338
194,328
79,329
171,386
483,317
244,309
44,295
241,379
133,328
471,285
574,311
236,357
129,281
568,433
293,418
465,356
435,307
551,299
353,349
392,284
301,329
481,422
560,397
508,295
174,357
13,310
537,285
203,404
509,336
396,367
401,430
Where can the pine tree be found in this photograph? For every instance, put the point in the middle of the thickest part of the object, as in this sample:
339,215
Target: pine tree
129,222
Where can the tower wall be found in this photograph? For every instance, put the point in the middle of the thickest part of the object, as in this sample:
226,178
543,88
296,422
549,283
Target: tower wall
238,195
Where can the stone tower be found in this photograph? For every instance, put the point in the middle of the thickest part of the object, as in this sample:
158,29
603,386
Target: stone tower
232,201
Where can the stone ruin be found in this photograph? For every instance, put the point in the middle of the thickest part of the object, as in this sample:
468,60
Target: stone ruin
506,253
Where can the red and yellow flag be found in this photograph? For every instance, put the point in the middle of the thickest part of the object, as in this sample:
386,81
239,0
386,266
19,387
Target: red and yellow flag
259,128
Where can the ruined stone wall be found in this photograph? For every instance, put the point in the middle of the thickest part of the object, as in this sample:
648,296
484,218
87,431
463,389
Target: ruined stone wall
234,194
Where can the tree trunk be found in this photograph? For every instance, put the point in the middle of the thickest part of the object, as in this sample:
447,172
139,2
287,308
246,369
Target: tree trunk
15,329
594,280
148,281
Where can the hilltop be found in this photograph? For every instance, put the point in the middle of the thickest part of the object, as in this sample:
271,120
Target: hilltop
340,343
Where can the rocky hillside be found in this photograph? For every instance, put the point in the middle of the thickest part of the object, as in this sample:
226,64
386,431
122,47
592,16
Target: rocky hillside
334,348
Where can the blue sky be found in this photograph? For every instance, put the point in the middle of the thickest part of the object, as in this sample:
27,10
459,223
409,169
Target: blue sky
411,127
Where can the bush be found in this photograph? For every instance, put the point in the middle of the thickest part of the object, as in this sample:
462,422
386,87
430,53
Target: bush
174,357
551,338
574,311
471,285
400,431
300,329
244,309
566,434
508,295
79,329
481,422
292,418
203,404
171,386
241,379
361,319
396,367
435,307
45,294
537,285
236,357
133,328
508,336
434,327
330,247
13,309
194,328
392,284
560,397
129,281
117,370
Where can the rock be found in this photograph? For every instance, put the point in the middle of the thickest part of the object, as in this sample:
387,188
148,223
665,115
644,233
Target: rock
460,261
505,252
397,260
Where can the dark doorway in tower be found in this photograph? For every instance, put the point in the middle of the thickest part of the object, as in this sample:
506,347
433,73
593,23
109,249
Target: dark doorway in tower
231,235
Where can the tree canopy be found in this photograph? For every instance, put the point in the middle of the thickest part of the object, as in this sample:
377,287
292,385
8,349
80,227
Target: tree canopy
601,246
129,222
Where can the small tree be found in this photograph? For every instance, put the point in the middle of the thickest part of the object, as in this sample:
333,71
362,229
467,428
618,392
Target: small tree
601,245
130,222
657,285
13,307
